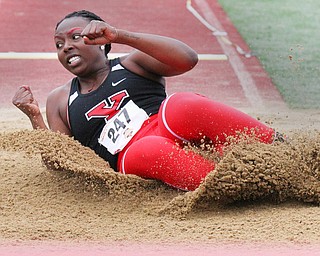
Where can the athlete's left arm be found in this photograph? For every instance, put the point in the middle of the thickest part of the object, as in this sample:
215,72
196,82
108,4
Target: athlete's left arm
154,54
162,56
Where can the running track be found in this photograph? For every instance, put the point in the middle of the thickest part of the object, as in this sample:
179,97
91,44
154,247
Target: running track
28,26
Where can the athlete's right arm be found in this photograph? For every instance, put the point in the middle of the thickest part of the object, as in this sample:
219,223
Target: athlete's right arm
24,100
56,108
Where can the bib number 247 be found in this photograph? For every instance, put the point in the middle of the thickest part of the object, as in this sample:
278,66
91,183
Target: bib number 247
120,129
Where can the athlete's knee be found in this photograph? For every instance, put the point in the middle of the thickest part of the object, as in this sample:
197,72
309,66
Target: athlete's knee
182,116
183,102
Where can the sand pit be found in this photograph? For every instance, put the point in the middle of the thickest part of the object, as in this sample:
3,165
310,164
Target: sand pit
259,193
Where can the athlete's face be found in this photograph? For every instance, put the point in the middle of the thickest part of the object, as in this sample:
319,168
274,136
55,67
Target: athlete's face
77,57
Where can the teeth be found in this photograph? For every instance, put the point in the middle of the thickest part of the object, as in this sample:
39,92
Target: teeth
72,59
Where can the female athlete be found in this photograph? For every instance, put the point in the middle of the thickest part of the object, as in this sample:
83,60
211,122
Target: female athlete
120,108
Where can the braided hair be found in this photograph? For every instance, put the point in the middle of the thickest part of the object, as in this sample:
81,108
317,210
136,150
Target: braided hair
89,16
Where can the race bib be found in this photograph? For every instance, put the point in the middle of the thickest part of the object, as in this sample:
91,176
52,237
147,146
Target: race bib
120,129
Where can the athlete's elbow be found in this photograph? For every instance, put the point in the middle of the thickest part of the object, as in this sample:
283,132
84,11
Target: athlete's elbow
184,63
194,60
191,61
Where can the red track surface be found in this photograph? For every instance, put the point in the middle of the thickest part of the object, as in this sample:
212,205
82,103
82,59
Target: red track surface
127,249
28,26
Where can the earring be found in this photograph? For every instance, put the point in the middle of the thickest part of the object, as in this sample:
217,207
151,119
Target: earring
102,47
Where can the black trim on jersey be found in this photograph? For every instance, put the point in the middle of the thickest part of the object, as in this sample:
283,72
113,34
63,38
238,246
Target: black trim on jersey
88,113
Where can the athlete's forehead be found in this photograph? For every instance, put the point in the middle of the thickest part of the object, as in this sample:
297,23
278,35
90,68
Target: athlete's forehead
70,25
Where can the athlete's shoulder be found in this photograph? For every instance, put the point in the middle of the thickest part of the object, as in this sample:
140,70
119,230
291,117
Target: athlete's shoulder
59,93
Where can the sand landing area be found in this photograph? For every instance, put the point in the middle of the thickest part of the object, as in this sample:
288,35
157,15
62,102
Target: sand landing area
84,206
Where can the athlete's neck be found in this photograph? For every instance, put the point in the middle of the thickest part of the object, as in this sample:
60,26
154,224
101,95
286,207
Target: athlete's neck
91,83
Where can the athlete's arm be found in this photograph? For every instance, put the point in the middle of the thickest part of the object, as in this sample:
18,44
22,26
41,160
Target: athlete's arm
56,110
158,55
24,100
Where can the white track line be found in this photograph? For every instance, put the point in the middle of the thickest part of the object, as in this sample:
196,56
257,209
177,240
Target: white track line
248,85
53,56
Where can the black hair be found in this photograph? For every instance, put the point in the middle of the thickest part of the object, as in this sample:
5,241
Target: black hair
89,16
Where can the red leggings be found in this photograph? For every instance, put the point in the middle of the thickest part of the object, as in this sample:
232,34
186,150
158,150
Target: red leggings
154,152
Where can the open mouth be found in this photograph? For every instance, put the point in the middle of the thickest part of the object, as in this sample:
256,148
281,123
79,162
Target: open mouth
74,60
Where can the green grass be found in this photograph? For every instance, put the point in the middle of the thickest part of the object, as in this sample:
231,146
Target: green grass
285,36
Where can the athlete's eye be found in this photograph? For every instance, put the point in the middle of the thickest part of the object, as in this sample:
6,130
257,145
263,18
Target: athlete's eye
59,45
76,36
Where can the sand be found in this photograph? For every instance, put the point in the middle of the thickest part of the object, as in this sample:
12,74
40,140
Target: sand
259,194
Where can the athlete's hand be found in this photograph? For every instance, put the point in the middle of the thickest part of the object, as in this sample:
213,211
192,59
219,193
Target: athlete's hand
23,99
99,32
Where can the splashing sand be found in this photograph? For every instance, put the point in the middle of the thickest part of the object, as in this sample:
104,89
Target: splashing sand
257,171
248,171
62,153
